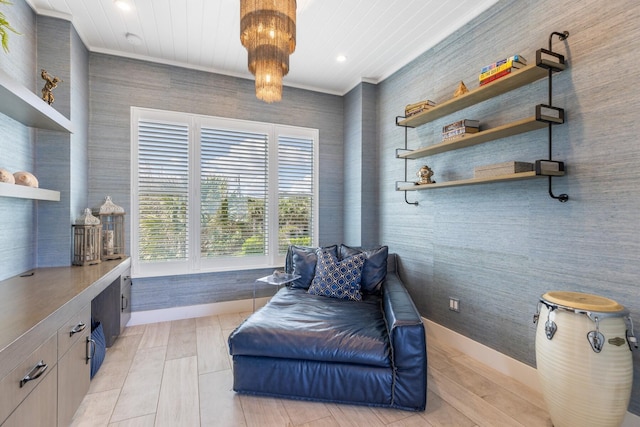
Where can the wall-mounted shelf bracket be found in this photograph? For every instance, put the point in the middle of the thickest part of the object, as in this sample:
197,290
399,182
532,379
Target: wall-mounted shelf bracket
544,58
401,150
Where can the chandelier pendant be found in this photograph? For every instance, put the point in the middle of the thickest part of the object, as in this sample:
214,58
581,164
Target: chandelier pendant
268,32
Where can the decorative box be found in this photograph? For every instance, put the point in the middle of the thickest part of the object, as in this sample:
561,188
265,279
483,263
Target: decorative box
505,168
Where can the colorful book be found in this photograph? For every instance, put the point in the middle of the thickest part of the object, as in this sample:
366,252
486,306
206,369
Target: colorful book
461,123
515,58
459,132
496,76
508,64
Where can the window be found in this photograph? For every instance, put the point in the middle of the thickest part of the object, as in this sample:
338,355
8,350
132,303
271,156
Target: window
213,194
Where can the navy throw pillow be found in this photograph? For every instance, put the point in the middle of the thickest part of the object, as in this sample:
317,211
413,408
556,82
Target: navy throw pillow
375,266
338,279
301,260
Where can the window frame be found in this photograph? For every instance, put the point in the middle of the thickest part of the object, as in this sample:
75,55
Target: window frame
195,263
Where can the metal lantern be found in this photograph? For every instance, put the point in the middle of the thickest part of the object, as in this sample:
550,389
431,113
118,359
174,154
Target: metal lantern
112,219
86,239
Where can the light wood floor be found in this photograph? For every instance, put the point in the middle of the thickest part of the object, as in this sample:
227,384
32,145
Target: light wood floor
179,374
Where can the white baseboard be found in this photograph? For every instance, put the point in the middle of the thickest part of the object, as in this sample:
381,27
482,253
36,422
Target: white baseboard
498,361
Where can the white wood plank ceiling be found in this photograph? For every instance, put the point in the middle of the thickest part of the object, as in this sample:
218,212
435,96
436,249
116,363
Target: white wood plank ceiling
377,37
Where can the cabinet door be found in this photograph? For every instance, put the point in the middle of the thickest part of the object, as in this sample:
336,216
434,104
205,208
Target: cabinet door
73,330
26,377
39,408
74,370
125,300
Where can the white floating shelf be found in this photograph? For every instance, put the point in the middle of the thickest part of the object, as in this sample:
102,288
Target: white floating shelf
19,103
23,192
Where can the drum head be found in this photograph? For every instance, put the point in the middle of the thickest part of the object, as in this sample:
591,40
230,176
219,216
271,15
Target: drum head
583,301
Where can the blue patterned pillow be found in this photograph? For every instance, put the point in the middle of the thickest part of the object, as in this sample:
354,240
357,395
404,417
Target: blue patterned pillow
338,279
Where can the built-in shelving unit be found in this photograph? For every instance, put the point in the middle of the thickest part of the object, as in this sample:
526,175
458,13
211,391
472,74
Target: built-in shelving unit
23,192
546,63
21,104
24,106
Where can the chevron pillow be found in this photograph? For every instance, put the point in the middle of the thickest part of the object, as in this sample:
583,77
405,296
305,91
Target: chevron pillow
338,279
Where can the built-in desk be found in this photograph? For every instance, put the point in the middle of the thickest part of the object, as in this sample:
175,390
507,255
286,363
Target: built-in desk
37,306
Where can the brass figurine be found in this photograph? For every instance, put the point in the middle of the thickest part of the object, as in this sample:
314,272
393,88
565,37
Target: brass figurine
425,173
461,90
51,83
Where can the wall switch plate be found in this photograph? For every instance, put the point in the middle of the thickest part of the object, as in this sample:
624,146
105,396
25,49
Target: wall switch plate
454,304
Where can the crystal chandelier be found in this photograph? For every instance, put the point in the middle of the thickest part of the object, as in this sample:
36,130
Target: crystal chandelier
268,32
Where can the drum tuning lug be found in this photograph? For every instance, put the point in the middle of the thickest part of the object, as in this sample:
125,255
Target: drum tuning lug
633,342
596,339
536,317
550,328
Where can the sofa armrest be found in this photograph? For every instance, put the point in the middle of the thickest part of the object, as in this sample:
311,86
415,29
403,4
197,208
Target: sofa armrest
408,344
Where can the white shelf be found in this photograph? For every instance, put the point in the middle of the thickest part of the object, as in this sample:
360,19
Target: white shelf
19,103
23,192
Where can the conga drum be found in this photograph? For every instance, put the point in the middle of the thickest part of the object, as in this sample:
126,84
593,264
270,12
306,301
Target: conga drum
583,357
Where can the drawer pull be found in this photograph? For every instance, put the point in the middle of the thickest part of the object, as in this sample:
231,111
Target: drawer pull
35,373
124,303
78,328
90,350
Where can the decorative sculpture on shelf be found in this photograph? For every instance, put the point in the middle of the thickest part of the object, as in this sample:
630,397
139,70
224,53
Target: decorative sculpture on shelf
425,173
461,90
51,83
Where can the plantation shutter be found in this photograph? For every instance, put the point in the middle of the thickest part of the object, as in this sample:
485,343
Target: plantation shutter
163,191
295,192
233,193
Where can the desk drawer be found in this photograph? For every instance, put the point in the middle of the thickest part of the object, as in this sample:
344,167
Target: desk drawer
16,386
73,330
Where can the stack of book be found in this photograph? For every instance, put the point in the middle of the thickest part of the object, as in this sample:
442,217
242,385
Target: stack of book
418,107
501,68
460,128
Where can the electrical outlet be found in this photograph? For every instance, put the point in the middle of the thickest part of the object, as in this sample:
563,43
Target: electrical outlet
454,304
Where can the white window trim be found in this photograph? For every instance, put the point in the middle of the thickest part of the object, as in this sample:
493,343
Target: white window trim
194,264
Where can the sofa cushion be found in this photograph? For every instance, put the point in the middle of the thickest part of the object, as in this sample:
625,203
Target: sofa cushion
298,325
375,266
301,260
337,279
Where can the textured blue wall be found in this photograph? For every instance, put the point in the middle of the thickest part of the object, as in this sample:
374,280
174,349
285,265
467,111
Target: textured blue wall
498,247
17,148
360,164
118,83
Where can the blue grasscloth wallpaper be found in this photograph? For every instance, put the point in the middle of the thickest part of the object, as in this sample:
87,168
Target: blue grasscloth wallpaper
496,247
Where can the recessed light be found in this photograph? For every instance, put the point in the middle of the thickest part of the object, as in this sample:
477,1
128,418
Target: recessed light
123,4
341,58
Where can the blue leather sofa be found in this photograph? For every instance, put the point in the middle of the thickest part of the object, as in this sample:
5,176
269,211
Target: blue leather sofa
313,347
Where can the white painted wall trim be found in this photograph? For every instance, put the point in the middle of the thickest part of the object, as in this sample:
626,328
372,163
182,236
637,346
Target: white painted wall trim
498,361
